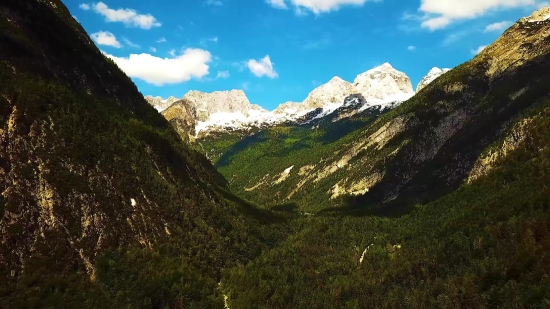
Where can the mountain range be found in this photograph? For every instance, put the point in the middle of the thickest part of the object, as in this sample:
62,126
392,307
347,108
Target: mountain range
365,195
231,110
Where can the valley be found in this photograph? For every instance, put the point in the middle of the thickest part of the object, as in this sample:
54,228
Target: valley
365,195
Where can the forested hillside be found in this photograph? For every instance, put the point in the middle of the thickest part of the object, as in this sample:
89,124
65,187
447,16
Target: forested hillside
102,205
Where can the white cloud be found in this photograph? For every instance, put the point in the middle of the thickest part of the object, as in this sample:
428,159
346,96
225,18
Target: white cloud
130,43
213,2
105,38
172,52
478,50
84,6
161,40
411,47
129,17
74,17
324,6
498,26
278,4
263,67
439,14
192,63
222,74
153,49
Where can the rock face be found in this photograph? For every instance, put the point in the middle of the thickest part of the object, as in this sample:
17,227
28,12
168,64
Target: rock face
333,92
206,104
183,116
434,73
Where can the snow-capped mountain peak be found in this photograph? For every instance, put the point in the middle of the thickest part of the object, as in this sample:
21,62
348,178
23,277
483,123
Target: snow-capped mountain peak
434,73
382,86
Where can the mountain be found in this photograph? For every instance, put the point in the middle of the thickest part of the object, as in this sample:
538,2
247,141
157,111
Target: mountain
102,205
421,149
434,73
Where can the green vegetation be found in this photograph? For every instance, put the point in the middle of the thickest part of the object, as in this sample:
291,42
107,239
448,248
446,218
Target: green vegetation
103,206
275,149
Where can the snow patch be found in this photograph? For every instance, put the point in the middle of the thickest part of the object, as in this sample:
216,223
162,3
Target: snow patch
133,202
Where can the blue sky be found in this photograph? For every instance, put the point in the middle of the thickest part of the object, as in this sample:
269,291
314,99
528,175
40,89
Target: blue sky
280,50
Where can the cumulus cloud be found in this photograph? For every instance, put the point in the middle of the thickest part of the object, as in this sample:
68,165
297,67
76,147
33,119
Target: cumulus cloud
84,6
278,4
222,74
411,47
105,38
192,63
478,50
262,67
129,17
498,26
439,14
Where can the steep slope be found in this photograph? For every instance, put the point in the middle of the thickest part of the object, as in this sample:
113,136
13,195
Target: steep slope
102,205
425,147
